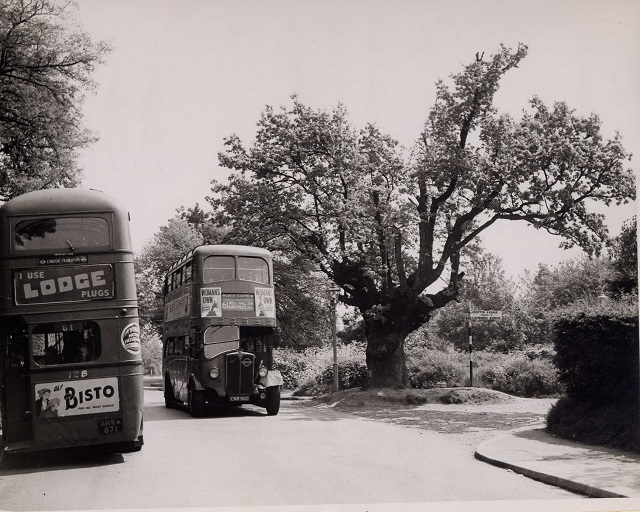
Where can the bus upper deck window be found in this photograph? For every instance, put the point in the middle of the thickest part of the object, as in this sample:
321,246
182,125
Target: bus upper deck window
62,233
218,268
253,269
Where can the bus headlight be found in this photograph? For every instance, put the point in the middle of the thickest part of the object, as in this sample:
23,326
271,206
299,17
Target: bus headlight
262,371
214,373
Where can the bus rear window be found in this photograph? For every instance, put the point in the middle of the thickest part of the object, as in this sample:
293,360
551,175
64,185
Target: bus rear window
62,233
218,268
66,342
253,269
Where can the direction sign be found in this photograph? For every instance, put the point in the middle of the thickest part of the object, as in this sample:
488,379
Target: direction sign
485,314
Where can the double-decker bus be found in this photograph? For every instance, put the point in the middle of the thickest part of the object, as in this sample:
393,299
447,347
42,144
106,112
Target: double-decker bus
70,360
219,321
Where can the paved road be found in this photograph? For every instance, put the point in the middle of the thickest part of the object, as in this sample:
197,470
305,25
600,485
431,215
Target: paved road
303,456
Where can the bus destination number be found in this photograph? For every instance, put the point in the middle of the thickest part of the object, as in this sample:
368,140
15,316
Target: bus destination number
110,426
237,302
239,398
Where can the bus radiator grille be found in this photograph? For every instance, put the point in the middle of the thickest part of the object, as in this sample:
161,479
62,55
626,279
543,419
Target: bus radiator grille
240,373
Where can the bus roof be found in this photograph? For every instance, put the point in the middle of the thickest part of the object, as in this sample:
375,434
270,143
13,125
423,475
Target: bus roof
60,200
65,201
222,250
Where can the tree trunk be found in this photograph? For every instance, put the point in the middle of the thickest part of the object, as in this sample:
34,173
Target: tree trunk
386,361
388,369
387,327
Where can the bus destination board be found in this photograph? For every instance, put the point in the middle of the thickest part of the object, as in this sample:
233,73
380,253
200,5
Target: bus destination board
237,302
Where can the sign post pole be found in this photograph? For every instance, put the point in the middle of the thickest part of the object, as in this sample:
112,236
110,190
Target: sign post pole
486,315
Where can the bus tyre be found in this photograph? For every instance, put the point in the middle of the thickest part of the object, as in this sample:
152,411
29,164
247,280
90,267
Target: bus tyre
196,402
168,393
273,400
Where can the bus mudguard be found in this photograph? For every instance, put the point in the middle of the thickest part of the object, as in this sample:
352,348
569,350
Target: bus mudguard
273,378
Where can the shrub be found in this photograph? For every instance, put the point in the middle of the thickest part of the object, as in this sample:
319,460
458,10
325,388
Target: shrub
597,352
351,374
291,365
607,425
434,368
518,375
310,372
597,358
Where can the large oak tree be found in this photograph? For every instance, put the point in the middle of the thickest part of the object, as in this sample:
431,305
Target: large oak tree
45,67
389,230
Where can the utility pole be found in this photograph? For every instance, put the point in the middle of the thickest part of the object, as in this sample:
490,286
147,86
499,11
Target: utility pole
470,349
333,298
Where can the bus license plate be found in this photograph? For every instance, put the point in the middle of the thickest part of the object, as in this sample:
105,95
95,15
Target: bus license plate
110,426
239,398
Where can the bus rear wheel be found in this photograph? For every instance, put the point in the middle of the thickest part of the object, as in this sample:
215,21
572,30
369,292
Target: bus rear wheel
195,401
273,400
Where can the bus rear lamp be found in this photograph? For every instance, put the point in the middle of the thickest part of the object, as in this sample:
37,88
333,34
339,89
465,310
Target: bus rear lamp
263,396
214,373
263,371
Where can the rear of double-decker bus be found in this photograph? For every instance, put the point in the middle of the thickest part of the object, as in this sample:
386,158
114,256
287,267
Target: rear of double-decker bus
71,365
226,356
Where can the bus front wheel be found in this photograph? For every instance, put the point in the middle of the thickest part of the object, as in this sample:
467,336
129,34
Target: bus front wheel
195,402
273,400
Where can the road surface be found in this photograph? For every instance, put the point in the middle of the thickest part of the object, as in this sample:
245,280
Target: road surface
303,456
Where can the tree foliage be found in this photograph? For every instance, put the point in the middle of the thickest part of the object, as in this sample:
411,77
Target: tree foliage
386,228
45,67
169,244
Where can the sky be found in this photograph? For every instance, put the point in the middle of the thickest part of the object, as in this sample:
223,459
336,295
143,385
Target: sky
185,74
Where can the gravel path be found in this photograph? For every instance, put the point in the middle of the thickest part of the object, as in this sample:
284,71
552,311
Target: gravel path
476,415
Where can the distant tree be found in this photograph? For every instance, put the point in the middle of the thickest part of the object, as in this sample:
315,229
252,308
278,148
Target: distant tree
625,259
485,287
169,244
387,230
553,288
302,304
45,66
151,351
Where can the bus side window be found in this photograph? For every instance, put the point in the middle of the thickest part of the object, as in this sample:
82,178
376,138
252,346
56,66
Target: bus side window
187,273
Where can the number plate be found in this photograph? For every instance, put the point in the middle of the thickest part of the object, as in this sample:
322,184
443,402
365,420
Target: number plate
110,426
239,398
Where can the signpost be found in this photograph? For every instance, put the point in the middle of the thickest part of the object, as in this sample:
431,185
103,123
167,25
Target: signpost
481,315
488,314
